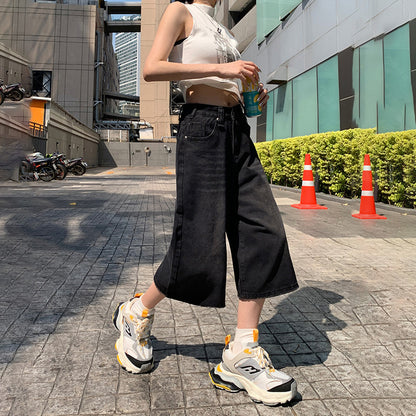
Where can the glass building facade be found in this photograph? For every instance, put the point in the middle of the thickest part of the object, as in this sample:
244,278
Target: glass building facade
270,14
127,48
370,86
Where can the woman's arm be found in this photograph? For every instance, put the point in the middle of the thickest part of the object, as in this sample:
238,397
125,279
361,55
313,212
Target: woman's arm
173,24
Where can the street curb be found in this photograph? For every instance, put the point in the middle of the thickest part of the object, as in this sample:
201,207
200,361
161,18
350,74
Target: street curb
334,198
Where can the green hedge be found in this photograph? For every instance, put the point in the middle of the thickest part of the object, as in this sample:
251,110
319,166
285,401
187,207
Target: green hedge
337,158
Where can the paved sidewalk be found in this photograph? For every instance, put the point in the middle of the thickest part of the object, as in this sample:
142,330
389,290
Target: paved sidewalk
71,250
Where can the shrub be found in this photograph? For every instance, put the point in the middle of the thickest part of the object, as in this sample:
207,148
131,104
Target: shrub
337,160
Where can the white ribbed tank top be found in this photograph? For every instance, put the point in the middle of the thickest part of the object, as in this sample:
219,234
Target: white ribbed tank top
208,43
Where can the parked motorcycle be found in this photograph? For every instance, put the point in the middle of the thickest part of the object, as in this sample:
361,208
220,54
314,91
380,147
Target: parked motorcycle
13,91
32,168
75,166
60,169
36,166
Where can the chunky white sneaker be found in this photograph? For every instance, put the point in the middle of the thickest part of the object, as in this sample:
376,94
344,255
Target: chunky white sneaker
252,370
135,352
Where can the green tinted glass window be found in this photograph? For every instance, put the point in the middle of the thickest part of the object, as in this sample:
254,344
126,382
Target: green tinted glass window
282,127
270,13
270,116
305,106
328,96
397,113
368,83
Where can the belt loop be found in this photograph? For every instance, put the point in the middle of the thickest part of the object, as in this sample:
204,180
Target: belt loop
221,115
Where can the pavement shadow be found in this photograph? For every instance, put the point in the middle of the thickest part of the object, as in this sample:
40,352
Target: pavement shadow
61,251
65,250
300,327
296,334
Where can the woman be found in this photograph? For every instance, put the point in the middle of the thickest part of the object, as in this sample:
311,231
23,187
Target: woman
221,190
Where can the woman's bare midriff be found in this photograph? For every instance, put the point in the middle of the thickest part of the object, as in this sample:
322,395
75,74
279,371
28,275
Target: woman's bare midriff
204,94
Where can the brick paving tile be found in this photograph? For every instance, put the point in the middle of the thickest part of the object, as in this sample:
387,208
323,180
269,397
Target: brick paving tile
348,335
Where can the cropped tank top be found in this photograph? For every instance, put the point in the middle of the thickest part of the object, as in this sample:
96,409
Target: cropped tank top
208,43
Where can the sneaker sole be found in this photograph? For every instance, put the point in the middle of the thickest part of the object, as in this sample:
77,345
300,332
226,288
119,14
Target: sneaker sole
230,382
127,365
221,384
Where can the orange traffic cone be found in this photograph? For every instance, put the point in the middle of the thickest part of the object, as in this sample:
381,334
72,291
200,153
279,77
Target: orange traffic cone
367,205
307,196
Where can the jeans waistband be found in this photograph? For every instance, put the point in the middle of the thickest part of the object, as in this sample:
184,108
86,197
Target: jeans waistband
222,113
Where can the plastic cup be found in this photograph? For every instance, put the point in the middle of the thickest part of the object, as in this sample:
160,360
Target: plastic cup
250,96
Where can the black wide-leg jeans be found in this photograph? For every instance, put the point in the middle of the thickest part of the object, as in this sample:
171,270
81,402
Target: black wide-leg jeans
222,190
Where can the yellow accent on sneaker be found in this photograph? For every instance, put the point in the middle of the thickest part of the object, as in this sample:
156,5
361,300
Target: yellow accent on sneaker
219,368
227,339
145,313
218,385
255,335
247,351
137,295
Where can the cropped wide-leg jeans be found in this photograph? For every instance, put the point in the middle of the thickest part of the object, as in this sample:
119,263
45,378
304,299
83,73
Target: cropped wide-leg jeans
222,191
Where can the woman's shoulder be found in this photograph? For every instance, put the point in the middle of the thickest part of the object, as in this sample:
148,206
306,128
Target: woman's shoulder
176,13
177,8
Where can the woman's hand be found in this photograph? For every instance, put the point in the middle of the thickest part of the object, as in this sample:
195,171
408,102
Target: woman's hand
240,69
263,96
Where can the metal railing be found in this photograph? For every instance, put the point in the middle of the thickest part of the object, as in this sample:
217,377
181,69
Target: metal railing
38,130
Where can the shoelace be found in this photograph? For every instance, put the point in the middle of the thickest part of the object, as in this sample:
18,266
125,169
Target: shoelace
263,358
143,328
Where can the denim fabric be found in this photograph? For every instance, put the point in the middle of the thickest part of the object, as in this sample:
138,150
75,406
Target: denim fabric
222,190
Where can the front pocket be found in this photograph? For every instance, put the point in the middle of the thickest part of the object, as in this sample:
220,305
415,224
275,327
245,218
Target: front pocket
196,130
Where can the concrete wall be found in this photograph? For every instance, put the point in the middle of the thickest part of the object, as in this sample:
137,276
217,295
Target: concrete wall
67,135
58,38
134,154
15,142
245,30
14,68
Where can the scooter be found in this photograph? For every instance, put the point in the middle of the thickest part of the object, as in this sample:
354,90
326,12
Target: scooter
14,92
